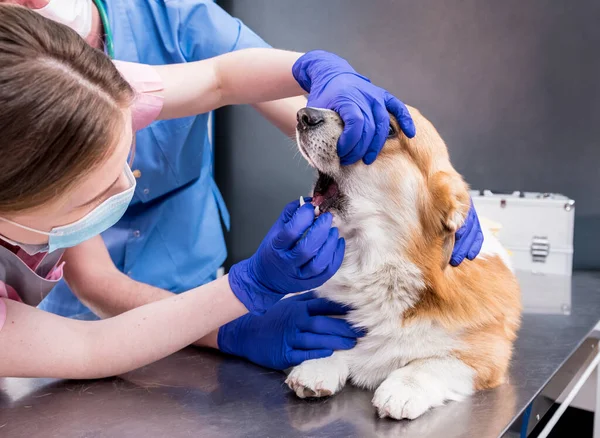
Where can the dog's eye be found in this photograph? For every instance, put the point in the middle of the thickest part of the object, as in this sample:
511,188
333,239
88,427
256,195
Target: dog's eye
391,131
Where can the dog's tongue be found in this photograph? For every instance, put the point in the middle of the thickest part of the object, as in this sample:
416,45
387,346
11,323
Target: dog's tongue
323,201
317,199
330,193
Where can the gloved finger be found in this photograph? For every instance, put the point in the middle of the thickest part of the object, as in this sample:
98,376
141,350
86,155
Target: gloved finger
468,225
476,246
325,325
315,238
284,216
338,258
322,306
295,228
290,209
353,130
359,151
462,246
313,341
382,123
336,263
457,258
306,296
296,357
369,129
462,230
400,112
475,234
322,257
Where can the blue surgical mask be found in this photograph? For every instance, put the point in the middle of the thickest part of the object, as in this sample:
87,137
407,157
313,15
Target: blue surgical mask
95,222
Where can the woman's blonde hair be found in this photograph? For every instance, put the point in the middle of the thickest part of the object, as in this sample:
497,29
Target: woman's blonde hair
60,108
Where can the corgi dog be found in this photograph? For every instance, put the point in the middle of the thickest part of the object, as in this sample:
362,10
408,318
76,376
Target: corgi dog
434,333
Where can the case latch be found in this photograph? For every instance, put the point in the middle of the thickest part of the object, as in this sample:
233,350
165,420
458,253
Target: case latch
540,249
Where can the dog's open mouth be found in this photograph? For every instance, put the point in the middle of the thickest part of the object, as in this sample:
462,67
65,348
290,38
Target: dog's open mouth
326,193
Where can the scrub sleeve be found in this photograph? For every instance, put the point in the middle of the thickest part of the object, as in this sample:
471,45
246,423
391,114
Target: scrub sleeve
147,105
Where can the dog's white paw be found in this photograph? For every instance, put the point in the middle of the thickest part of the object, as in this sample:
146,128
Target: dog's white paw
410,391
400,398
318,377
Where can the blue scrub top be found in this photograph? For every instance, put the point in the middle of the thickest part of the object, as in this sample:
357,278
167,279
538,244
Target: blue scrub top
171,236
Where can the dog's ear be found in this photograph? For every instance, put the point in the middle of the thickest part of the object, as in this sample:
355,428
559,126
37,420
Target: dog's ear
451,201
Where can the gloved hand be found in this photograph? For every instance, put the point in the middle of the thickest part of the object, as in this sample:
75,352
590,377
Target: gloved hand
468,239
286,262
333,84
292,331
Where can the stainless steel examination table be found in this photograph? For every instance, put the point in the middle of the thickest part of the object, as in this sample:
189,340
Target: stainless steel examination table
198,393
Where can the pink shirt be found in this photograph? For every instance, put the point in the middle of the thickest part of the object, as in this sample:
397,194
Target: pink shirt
147,105
148,87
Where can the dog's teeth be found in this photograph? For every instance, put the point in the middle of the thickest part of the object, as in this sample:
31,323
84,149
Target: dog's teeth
302,201
317,211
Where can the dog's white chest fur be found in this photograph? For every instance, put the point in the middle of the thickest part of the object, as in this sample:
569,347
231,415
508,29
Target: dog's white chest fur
409,363
381,299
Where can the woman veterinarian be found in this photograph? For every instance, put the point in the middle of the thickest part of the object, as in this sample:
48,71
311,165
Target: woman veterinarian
69,117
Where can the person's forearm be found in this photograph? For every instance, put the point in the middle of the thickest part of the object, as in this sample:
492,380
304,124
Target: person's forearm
96,281
112,295
282,113
39,344
168,325
210,340
245,76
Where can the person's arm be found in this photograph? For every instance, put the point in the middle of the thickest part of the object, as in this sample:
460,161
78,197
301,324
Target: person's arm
34,343
261,77
298,253
95,280
247,76
282,113
205,30
100,286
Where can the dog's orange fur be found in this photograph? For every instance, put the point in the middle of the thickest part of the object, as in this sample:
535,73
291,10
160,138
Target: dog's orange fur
479,300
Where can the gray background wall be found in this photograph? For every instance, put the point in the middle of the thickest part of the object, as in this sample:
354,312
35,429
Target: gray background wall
512,86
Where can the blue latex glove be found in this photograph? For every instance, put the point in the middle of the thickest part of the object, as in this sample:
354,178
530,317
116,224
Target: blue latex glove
468,239
292,331
286,262
333,84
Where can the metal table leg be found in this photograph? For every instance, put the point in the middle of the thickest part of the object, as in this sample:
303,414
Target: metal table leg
570,396
597,410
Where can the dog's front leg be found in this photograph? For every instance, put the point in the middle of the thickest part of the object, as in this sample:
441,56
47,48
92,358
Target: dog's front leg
319,377
410,391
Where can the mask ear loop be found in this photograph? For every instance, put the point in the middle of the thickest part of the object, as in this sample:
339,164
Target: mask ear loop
23,227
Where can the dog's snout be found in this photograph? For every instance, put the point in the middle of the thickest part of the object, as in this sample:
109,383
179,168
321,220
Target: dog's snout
309,118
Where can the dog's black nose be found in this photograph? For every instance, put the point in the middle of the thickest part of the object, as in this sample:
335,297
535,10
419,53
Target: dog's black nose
309,118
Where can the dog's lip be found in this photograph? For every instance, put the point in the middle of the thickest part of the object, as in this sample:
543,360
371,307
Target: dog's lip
303,150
